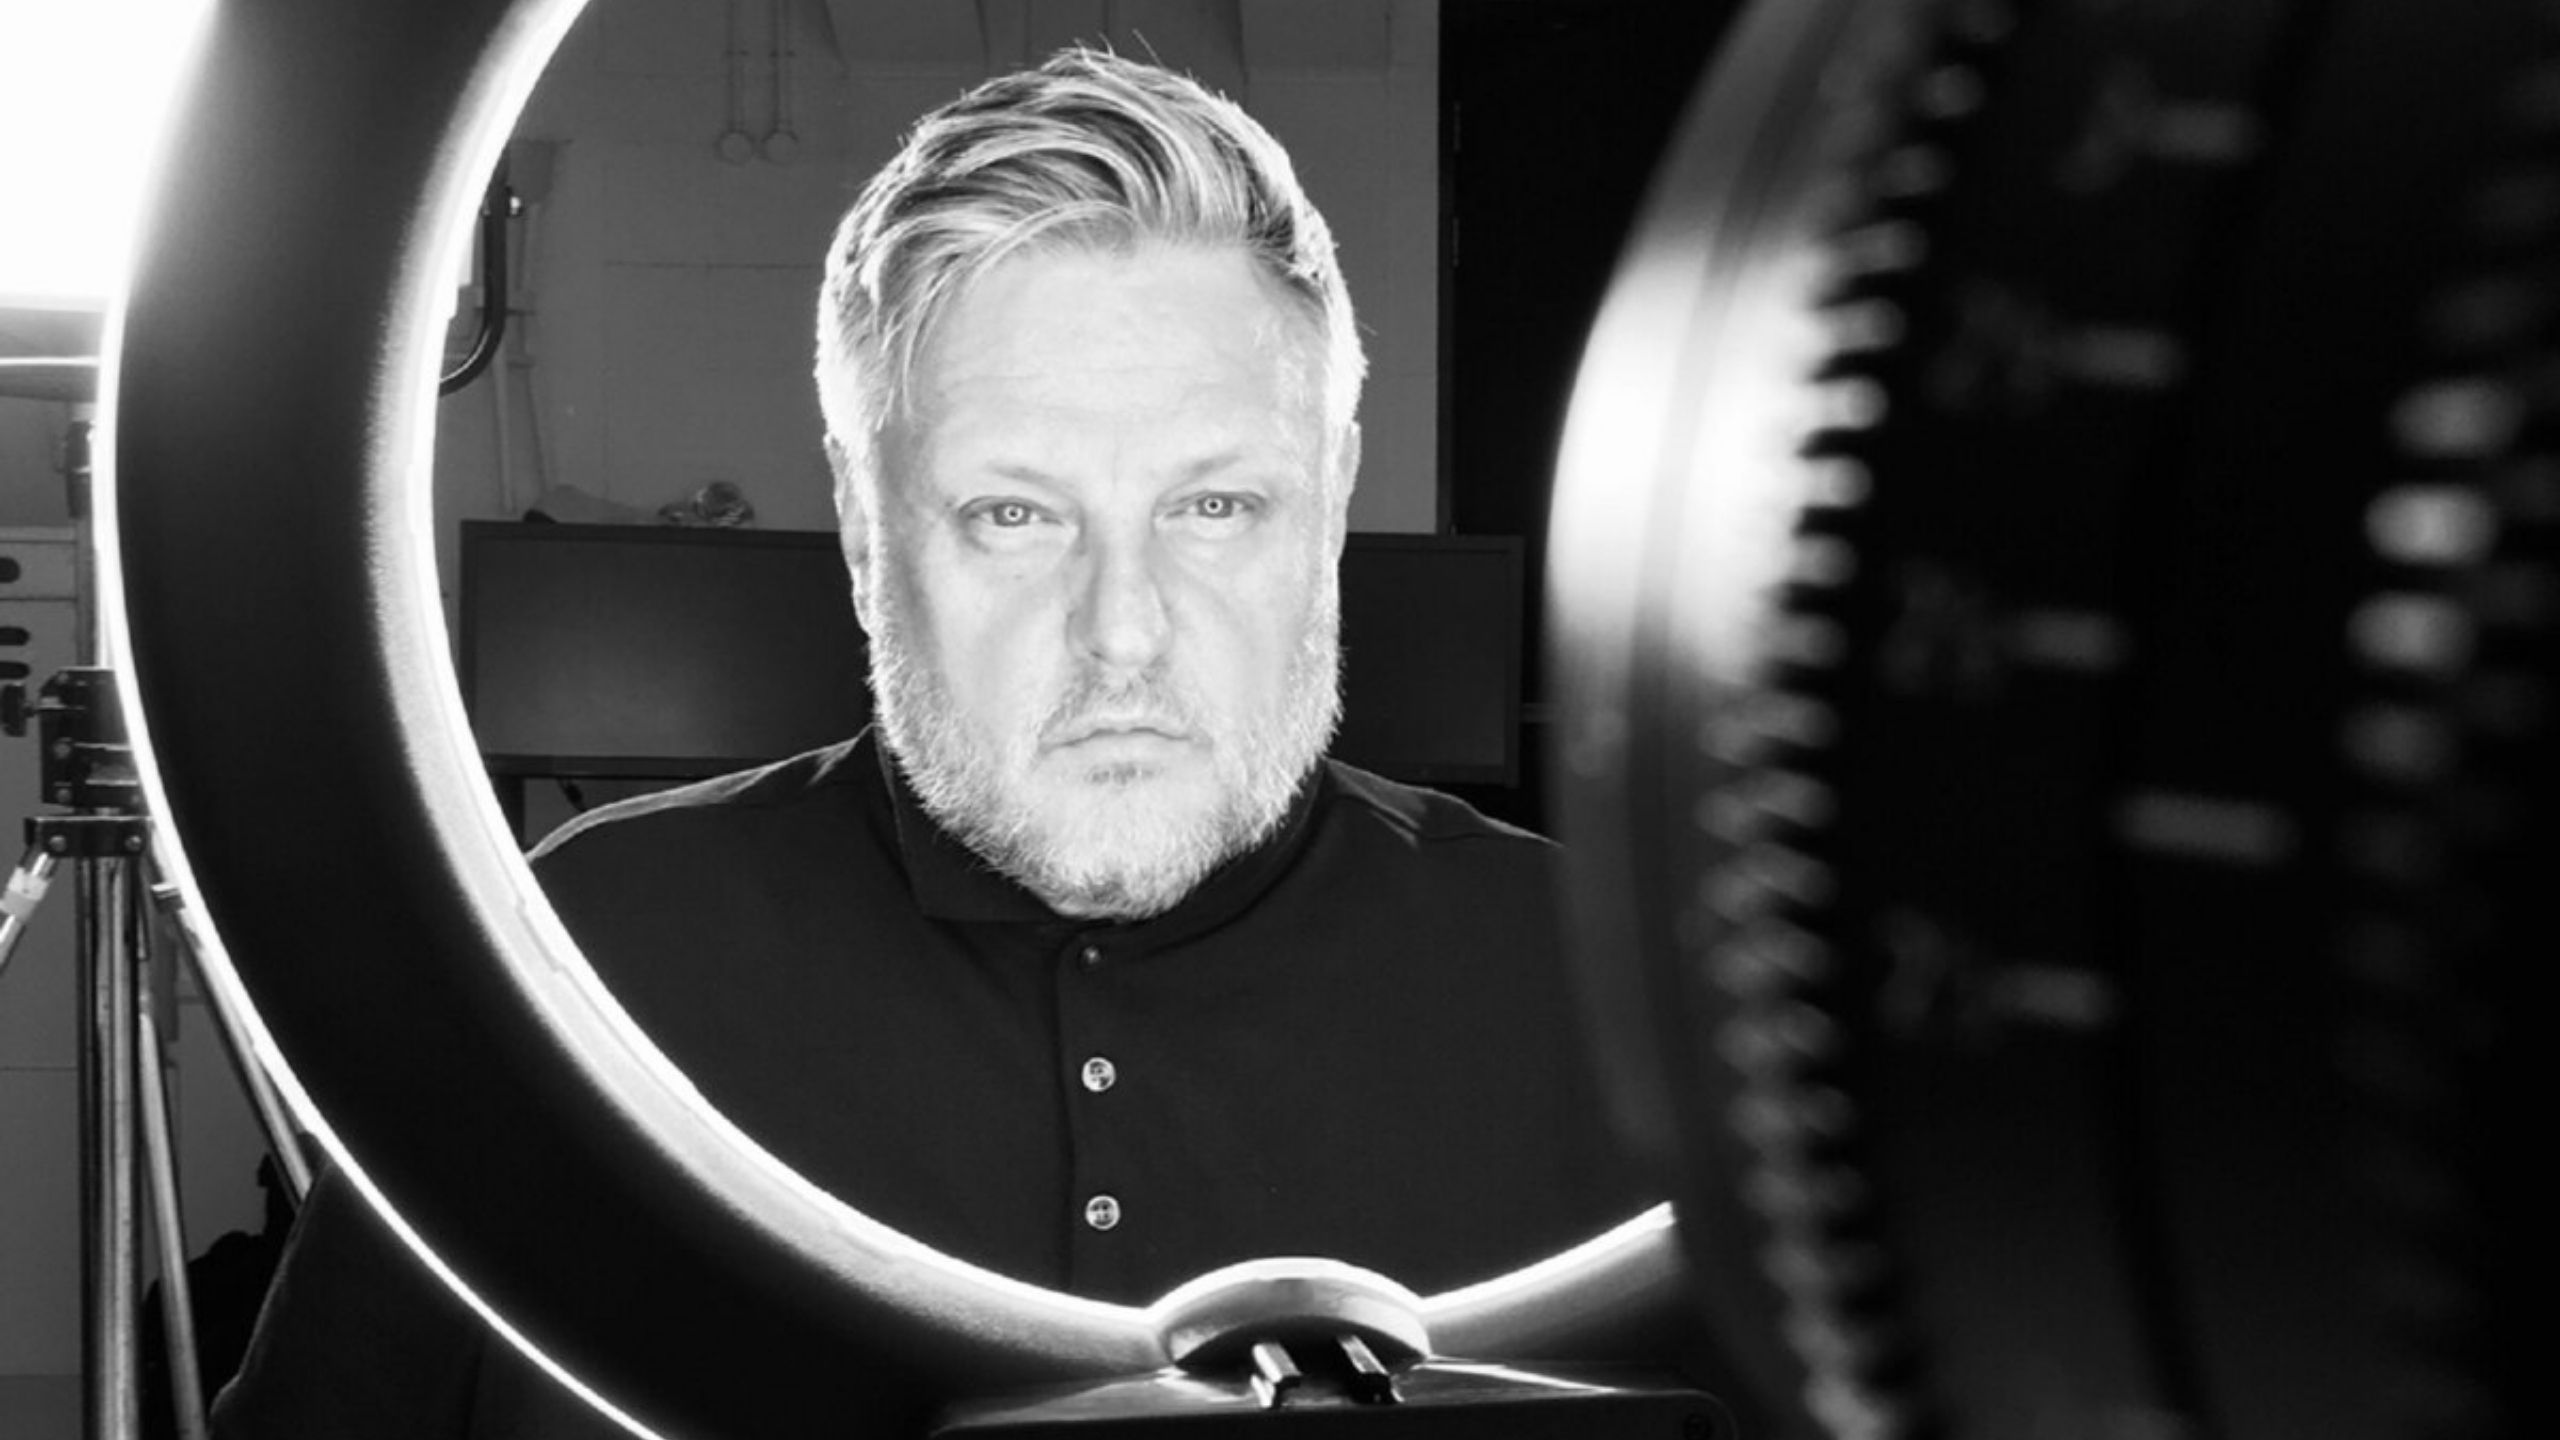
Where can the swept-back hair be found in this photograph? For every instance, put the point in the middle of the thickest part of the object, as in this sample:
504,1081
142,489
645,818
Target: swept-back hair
1088,150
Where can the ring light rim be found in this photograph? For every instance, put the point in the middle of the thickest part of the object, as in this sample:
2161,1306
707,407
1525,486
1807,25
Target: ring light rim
1008,1323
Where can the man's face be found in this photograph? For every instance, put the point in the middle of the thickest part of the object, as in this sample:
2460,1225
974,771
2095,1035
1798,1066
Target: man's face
1100,581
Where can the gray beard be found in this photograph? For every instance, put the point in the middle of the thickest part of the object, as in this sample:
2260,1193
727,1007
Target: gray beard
1115,857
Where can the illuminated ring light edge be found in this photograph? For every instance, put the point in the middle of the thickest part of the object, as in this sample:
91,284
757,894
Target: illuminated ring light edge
270,593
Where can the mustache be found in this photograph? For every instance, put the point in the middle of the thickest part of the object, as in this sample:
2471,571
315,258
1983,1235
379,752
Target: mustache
1094,703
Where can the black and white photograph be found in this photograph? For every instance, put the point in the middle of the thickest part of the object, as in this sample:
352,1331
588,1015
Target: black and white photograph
1274,719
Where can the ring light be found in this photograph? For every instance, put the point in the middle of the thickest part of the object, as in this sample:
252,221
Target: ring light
269,589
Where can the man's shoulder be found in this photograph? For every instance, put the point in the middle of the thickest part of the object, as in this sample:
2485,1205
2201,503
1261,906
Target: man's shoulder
1401,879
819,780
1424,818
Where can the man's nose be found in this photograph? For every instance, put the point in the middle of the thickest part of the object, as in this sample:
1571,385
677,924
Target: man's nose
1120,619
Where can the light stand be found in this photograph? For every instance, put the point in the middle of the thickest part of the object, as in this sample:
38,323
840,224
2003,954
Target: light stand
1316,1350
128,1152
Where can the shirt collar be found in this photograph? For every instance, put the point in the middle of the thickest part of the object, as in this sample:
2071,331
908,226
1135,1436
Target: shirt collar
951,882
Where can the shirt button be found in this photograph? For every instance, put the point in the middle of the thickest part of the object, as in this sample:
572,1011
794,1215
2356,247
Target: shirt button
1102,1212
1090,957
1100,1074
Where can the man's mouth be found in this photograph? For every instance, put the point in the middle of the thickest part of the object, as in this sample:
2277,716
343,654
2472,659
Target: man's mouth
1121,737
1133,730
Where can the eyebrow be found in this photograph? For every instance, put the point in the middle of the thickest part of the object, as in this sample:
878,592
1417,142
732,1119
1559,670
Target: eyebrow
1200,469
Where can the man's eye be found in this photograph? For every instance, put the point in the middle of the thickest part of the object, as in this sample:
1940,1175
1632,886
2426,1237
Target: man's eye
1007,514
1221,508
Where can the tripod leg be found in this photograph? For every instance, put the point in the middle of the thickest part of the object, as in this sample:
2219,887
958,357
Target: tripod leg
18,902
224,1004
177,1300
111,1271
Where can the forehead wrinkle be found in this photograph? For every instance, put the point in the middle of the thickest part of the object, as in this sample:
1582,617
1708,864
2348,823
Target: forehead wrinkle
1052,364
1005,436
1284,332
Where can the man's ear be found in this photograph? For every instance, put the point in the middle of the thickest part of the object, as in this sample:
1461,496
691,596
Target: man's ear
853,529
1346,474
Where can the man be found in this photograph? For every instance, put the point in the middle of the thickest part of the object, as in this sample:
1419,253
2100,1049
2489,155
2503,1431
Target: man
1084,964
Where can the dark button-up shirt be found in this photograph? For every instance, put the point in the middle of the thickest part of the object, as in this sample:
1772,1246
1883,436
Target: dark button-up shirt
1355,1040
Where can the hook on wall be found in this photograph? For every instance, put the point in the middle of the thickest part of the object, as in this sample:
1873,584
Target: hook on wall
782,141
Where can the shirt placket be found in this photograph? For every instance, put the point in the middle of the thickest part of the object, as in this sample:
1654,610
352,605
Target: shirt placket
1106,1216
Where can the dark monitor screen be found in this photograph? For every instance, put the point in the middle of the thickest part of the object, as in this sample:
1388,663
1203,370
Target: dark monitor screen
1431,657
614,650
604,650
